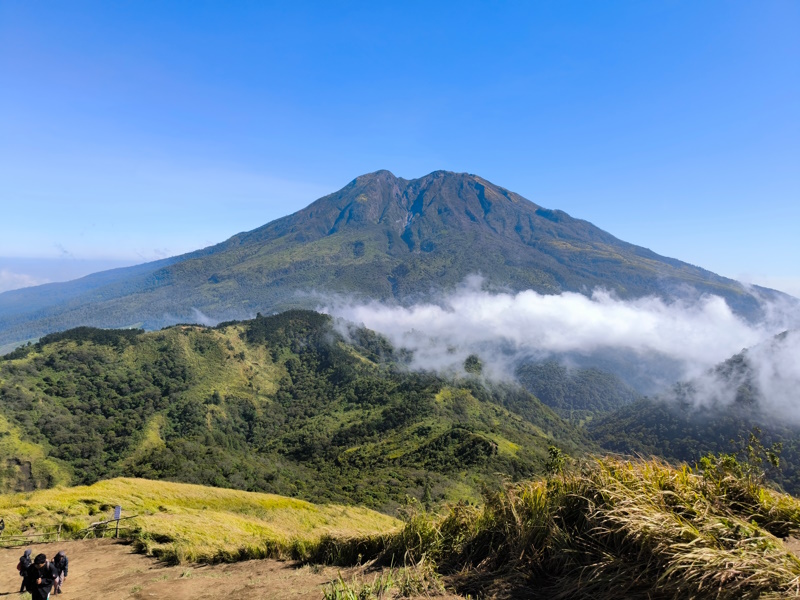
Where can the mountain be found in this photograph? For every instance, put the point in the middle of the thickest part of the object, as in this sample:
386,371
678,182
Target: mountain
285,404
756,388
379,237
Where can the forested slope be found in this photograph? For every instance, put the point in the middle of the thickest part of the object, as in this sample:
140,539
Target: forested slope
283,404
575,394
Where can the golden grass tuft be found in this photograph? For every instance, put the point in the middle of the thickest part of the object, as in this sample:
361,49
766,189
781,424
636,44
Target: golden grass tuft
615,529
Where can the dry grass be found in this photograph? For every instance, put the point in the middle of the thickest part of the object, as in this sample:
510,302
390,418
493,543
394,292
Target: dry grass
192,523
616,529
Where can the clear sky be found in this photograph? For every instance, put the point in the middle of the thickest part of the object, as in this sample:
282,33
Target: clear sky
135,130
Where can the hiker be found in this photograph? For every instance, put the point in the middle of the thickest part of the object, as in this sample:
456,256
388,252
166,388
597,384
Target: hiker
40,577
61,564
22,566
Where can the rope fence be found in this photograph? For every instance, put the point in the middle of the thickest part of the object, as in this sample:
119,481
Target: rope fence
102,527
12,541
98,529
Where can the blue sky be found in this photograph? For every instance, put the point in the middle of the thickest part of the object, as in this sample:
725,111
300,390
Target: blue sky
135,130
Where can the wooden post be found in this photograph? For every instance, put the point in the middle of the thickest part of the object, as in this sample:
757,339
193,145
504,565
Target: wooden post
58,535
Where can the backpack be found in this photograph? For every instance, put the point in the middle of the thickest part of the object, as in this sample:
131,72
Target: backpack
23,564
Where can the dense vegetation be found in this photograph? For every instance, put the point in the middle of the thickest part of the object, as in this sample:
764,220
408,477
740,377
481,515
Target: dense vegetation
379,237
281,404
300,405
575,394
683,432
691,421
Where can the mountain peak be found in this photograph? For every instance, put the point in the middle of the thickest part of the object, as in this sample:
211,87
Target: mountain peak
381,176
439,201
387,177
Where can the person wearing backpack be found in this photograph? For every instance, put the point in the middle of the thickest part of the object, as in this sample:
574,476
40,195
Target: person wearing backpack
61,564
22,566
40,577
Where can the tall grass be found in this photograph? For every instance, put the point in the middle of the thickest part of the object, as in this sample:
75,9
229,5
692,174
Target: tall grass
616,529
606,530
408,582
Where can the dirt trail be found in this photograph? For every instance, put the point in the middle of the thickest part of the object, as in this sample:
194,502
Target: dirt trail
107,570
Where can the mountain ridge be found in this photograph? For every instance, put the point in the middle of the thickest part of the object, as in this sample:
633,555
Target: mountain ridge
713,412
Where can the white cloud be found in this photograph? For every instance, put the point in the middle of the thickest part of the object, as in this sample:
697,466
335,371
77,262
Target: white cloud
9,280
504,328
770,369
777,372
202,318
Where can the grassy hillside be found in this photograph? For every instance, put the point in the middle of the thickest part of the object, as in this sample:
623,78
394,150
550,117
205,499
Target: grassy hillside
602,529
283,404
379,237
182,522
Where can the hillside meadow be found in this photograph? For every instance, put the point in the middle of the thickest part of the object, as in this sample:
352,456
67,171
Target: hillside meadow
181,522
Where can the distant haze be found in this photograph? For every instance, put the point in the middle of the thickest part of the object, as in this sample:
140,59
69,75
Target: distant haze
16,273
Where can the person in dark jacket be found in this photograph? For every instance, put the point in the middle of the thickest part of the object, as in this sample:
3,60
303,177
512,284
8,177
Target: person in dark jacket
24,562
39,580
61,564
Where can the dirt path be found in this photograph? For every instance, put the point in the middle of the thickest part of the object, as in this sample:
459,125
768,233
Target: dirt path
103,569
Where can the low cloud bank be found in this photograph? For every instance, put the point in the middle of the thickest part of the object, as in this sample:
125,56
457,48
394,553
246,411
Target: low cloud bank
768,373
776,366
507,328
9,280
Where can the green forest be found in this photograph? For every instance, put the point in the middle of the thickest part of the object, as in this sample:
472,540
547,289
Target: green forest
288,404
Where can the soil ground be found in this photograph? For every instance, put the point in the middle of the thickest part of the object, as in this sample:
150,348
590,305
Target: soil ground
110,570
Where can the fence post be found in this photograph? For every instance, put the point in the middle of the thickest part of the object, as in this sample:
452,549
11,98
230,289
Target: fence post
58,535
116,533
